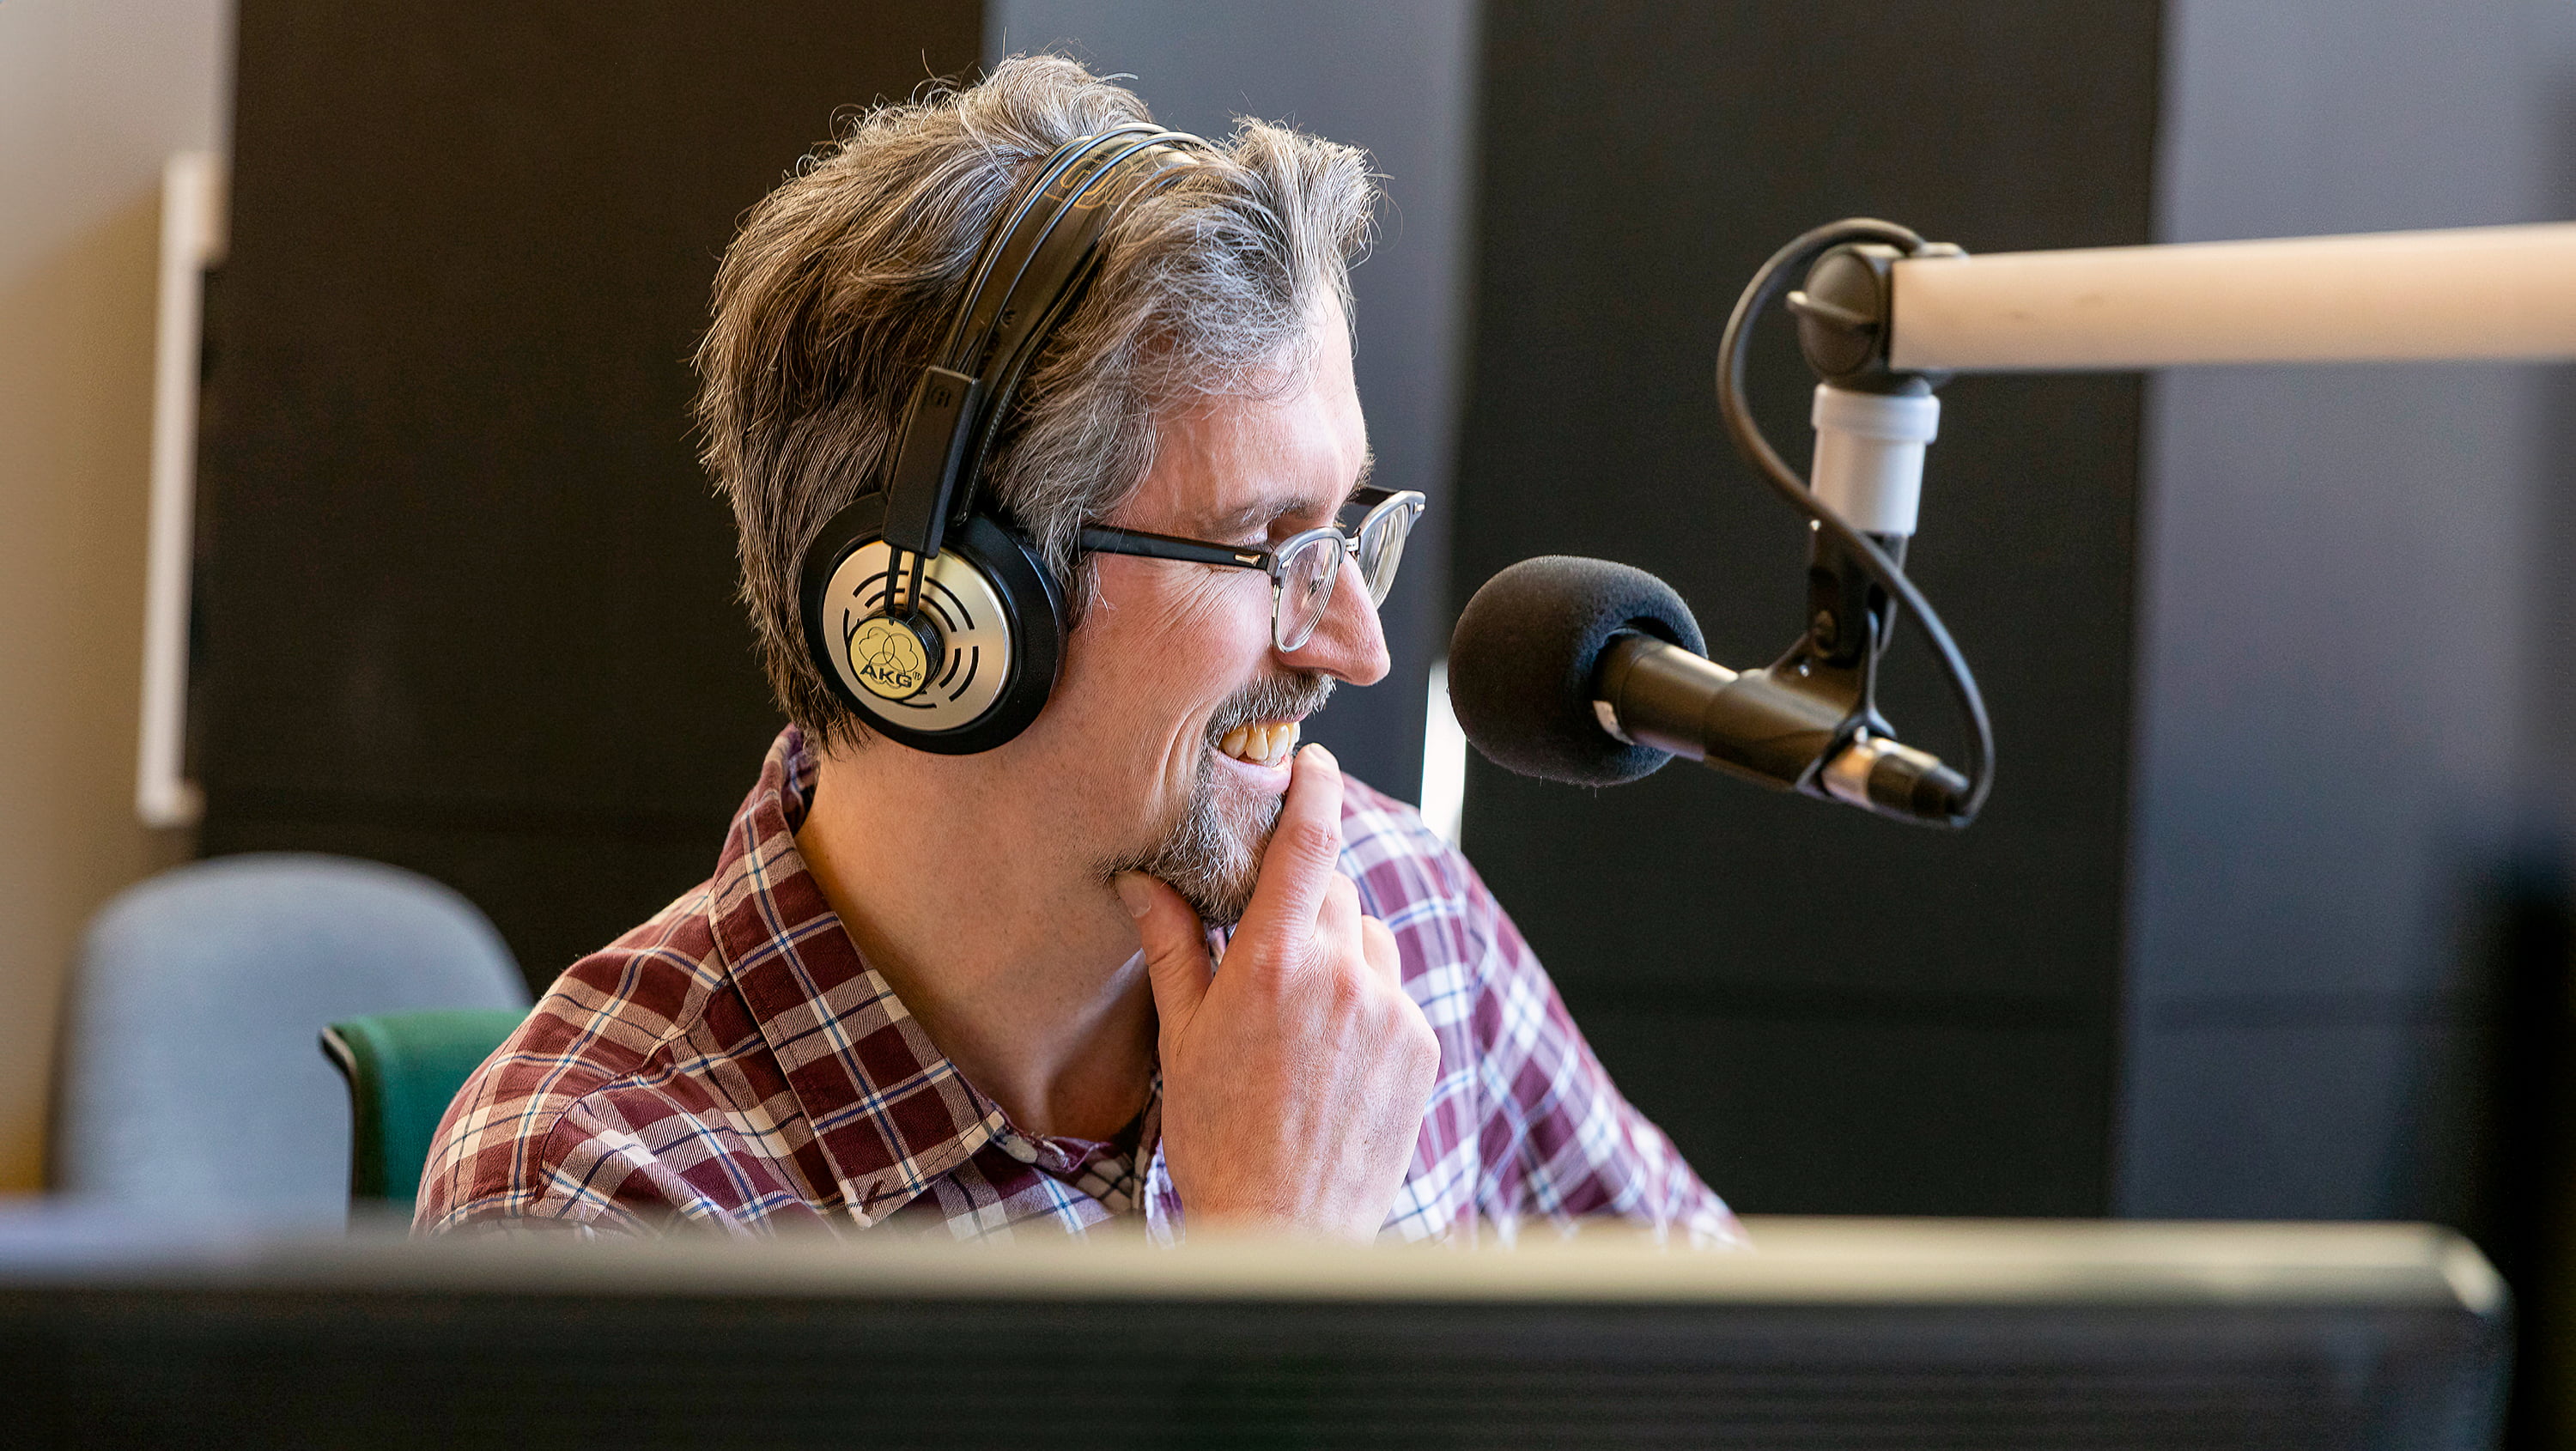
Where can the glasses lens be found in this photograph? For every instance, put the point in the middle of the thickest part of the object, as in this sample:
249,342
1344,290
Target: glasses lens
1382,549
1305,588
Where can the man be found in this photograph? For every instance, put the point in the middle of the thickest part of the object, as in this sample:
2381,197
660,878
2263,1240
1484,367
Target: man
913,991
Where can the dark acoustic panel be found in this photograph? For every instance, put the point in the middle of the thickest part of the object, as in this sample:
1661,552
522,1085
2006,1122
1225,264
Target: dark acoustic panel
1638,163
466,598
1794,1105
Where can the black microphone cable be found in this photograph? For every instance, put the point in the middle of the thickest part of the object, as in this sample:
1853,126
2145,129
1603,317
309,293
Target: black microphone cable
1733,405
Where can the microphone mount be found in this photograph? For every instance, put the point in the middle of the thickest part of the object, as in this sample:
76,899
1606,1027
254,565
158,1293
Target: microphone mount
1872,422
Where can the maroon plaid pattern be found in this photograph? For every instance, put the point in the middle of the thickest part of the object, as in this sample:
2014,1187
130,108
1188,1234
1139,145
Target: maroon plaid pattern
733,1063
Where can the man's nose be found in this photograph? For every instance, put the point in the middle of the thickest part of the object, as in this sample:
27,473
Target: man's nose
1348,644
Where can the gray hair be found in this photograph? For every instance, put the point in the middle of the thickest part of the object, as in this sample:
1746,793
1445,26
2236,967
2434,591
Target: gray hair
842,282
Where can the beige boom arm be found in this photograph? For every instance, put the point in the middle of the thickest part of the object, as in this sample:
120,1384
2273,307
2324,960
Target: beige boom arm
2477,292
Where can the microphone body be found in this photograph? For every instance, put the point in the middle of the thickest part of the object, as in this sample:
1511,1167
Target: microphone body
1590,672
1762,726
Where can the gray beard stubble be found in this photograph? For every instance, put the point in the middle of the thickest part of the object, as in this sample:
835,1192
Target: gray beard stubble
1211,854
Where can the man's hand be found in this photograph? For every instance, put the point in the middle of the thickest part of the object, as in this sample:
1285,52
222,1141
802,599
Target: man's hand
1294,1082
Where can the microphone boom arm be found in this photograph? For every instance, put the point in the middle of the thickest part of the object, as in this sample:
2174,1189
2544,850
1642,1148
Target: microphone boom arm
2468,292
1885,317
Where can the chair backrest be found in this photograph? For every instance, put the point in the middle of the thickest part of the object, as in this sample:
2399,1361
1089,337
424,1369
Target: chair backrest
403,1068
188,1080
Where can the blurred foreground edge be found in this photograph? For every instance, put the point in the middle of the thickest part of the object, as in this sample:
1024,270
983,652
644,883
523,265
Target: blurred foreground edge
1849,1333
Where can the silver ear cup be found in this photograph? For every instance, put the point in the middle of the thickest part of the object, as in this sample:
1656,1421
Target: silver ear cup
959,601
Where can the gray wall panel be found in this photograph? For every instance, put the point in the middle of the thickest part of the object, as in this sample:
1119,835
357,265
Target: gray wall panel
2301,1117
2342,680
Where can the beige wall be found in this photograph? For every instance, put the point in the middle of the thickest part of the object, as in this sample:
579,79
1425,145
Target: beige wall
93,95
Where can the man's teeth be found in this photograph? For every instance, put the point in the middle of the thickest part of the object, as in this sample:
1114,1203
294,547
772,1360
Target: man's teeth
1268,742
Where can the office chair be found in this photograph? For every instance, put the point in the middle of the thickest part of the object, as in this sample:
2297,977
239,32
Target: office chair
188,1082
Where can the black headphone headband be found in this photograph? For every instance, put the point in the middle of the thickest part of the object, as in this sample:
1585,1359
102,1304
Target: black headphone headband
1039,253
1070,168
933,618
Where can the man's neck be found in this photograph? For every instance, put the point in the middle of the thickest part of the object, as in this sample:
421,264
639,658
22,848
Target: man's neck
1022,970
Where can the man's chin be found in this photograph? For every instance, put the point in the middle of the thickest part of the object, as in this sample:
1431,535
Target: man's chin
1211,853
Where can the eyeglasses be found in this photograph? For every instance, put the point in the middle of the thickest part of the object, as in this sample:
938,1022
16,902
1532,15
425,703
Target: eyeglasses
1304,567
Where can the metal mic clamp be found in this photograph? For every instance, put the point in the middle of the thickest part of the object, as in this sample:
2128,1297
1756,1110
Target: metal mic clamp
1863,493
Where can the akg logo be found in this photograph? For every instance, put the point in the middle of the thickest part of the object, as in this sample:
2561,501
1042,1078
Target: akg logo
888,658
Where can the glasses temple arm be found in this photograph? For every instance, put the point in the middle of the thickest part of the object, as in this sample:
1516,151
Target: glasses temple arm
1103,540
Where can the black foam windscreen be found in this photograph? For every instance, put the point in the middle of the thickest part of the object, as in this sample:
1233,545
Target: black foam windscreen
1522,661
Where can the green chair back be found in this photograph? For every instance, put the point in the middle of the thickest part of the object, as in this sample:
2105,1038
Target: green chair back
403,1068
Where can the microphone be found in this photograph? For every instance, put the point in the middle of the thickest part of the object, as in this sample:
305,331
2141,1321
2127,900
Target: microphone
1594,673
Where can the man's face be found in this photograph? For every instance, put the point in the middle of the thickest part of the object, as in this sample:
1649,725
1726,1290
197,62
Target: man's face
1175,716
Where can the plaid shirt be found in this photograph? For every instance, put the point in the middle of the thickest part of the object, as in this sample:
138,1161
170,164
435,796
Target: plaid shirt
734,1063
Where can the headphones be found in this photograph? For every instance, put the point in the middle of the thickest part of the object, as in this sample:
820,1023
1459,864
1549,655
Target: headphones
926,611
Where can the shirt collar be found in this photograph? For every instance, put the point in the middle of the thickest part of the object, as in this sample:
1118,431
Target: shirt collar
888,1109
